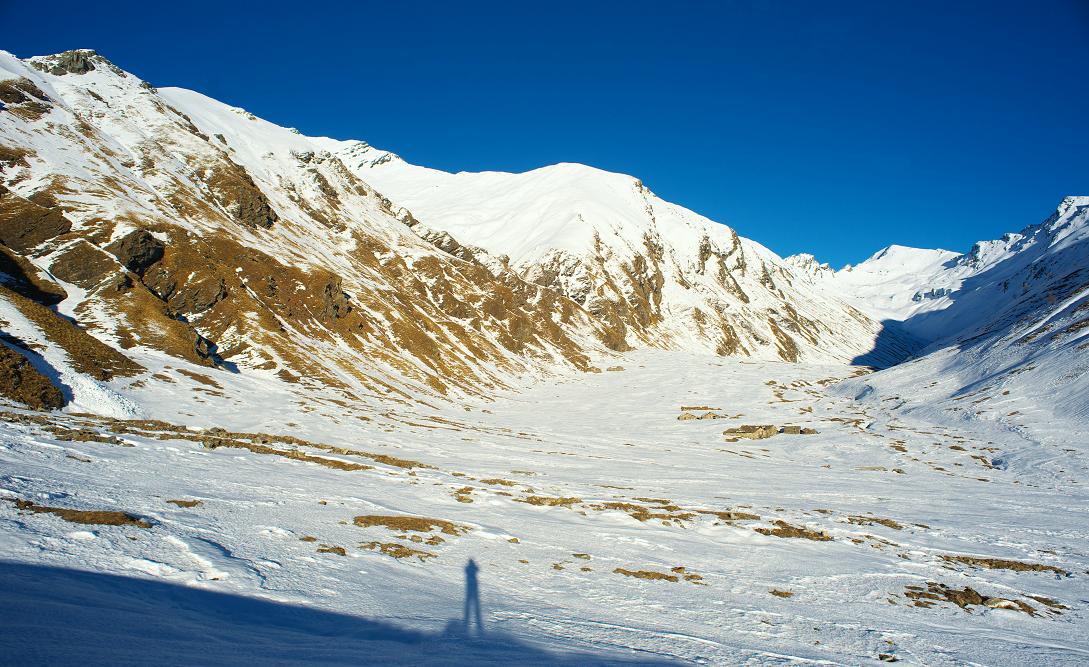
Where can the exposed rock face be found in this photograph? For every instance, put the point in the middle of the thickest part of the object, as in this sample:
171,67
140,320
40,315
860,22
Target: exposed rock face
138,250
751,432
82,264
236,192
80,61
335,300
21,382
24,224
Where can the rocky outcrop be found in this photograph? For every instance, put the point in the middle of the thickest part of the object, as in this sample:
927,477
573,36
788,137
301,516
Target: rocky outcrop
335,300
137,250
79,61
82,264
235,191
24,224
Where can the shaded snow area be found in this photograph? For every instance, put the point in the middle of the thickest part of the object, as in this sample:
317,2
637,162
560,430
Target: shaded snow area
607,529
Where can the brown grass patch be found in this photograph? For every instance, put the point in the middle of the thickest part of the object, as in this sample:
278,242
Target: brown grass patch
294,454
94,517
86,353
409,523
647,574
784,529
186,503
550,501
332,549
731,515
200,377
397,550
871,520
464,494
21,382
1002,564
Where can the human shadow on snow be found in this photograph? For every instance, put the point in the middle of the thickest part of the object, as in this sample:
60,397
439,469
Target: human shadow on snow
56,615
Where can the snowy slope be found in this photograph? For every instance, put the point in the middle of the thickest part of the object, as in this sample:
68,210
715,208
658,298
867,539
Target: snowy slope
1010,328
938,294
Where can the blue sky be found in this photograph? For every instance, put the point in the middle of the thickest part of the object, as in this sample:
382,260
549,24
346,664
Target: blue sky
831,127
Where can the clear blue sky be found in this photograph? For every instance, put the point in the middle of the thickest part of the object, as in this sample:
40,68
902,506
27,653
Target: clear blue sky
832,127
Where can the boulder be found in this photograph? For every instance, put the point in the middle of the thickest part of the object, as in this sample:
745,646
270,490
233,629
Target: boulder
137,250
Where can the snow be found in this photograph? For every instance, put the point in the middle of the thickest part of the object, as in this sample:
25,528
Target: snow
609,437
976,446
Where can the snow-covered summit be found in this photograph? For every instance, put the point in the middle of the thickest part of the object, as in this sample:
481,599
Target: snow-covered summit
659,273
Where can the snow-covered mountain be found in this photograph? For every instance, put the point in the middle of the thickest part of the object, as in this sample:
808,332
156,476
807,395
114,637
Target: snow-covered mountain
278,390
249,247
941,296
1012,312
170,223
656,273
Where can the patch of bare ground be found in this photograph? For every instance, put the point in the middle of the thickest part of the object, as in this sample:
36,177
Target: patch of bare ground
781,594
731,515
409,523
665,513
464,494
186,503
784,529
94,517
498,482
1053,604
692,577
1003,564
82,435
871,520
647,574
23,383
294,454
200,377
964,598
397,550
550,501
332,549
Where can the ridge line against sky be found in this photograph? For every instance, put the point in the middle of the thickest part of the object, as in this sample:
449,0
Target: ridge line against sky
834,129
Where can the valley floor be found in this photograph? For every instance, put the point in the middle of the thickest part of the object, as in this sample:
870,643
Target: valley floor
606,530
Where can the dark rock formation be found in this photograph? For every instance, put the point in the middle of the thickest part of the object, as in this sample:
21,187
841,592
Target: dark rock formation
138,250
